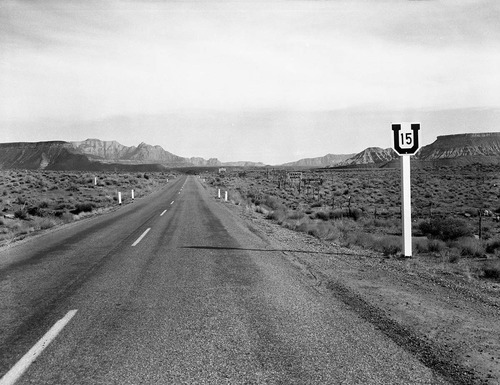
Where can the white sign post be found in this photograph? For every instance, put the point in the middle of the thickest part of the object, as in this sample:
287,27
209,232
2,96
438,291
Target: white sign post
406,143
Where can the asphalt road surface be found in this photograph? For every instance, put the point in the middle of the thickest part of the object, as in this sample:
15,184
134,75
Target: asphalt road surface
175,289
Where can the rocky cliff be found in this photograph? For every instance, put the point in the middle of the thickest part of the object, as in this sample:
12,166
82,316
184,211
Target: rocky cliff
95,154
323,161
371,155
41,155
462,145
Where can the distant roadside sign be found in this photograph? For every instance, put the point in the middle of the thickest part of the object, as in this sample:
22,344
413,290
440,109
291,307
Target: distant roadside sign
406,138
295,175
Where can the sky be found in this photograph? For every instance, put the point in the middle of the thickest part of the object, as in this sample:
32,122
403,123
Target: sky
271,81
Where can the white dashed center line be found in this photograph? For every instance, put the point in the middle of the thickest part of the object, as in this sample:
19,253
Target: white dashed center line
140,238
164,211
172,202
23,364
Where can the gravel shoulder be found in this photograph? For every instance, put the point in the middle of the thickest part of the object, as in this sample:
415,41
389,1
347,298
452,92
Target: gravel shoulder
448,320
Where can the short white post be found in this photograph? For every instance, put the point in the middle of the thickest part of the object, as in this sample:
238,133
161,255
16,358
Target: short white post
225,196
95,181
406,203
133,195
218,194
119,198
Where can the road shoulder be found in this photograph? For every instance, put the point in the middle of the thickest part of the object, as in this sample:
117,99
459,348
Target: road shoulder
449,323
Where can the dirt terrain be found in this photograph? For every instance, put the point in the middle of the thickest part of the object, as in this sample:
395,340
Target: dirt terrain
443,315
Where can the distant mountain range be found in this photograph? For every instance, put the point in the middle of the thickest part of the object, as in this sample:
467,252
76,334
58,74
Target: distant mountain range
95,154
457,149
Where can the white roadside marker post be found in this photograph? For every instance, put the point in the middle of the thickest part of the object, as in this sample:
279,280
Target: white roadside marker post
218,194
95,181
225,196
406,203
119,198
133,197
406,143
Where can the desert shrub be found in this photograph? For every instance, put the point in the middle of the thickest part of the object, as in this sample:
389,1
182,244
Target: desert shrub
20,200
36,211
319,229
67,217
83,207
44,223
356,214
491,270
43,205
337,214
296,215
492,245
278,215
21,214
388,245
322,215
445,228
421,245
316,204
359,238
271,202
470,247
110,182
436,245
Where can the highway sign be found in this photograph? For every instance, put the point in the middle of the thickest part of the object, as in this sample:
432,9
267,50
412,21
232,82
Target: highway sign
295,175
406,143
405,138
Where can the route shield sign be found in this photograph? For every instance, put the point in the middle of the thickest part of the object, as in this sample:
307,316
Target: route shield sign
406,137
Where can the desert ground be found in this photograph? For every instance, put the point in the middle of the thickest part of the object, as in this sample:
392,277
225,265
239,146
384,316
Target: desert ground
35,200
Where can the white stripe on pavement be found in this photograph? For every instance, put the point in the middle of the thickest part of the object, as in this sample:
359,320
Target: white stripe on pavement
164,211
142,236
172,202
23,364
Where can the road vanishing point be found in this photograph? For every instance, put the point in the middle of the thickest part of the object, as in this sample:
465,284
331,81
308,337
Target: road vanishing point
177,289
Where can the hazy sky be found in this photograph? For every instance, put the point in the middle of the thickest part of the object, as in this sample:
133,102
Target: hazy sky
270,81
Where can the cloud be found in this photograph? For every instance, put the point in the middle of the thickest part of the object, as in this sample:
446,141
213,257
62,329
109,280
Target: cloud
97,59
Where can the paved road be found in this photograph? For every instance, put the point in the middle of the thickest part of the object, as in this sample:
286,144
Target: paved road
199,299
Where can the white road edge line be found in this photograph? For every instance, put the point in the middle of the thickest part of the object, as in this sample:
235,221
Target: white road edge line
23,364
164,211
139,239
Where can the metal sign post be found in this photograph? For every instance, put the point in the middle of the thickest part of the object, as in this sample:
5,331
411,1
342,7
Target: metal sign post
406,143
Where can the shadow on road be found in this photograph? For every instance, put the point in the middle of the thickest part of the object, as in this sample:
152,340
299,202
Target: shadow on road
271,250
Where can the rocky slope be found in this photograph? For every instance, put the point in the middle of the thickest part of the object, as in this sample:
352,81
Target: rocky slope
371,155
110,150
323,161
41,155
